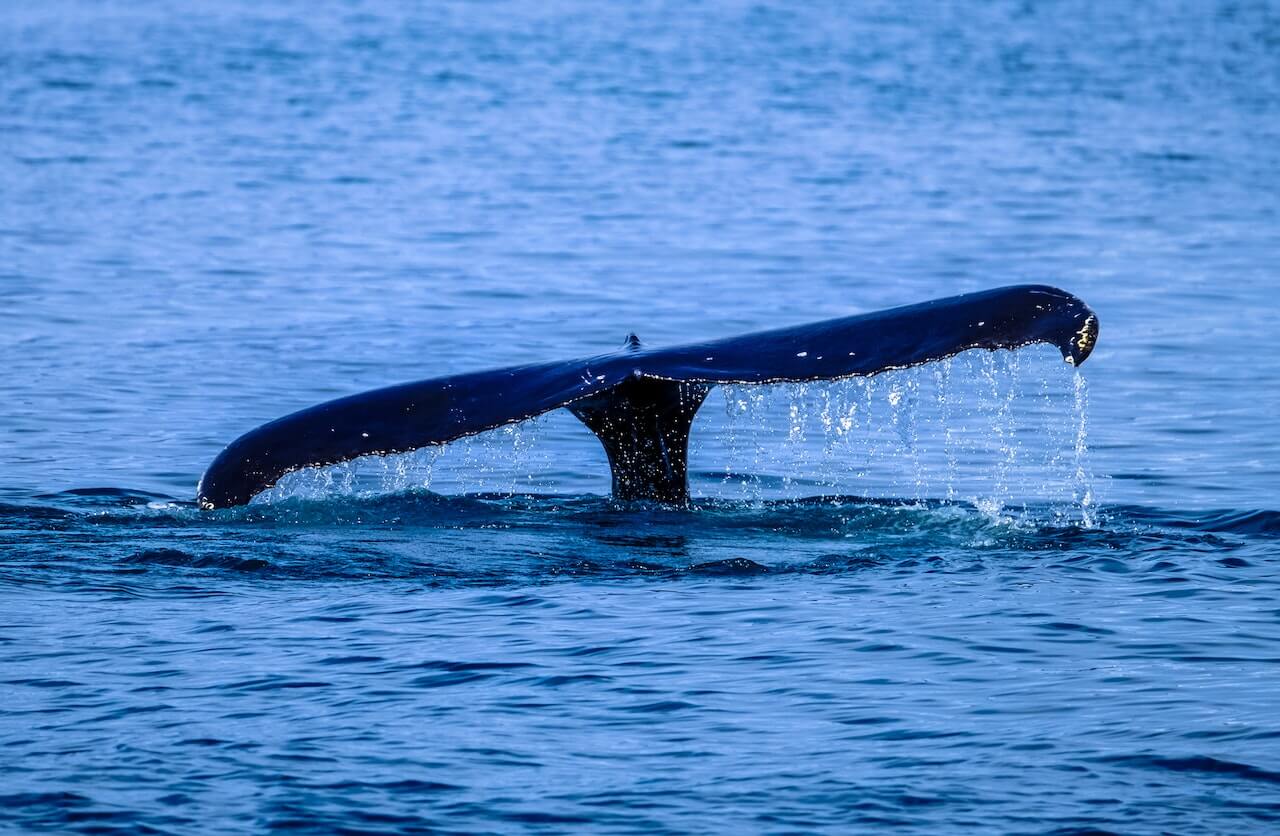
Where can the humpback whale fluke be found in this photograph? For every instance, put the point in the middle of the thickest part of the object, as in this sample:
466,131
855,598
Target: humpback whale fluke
640,401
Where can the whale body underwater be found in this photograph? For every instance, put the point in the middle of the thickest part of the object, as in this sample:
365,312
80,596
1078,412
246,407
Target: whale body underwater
639,401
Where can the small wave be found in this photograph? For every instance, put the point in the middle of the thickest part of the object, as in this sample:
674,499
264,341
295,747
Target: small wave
1195,763
730,567
110,497
177,558
1255,522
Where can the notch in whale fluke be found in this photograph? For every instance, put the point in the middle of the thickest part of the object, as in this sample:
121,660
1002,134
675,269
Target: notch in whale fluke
640,401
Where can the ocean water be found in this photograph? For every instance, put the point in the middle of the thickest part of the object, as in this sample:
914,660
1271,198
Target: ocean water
992,594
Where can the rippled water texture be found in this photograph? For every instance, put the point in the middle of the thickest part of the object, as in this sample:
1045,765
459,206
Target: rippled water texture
992,594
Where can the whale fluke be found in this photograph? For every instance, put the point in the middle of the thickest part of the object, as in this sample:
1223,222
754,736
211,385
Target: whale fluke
639,401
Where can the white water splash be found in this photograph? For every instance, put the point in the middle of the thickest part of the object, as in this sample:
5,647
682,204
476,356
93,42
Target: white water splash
995,429
366,476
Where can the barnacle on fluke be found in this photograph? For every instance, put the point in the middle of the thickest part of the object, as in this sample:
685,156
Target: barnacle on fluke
1086,338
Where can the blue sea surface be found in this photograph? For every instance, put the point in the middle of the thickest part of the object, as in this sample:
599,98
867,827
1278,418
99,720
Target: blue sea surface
990,594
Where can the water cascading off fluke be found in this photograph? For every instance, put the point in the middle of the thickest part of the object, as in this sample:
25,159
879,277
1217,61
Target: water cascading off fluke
640,402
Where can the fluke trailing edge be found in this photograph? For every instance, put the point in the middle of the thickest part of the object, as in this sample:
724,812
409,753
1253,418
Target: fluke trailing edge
640,401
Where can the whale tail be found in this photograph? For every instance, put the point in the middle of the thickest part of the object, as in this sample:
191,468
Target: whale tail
644,424
640,402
